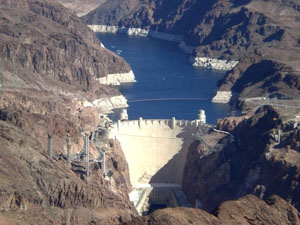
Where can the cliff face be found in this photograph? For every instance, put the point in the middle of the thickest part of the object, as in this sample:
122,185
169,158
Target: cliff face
246,31
252,162
44,39
49,66
246,210
37,190
256,77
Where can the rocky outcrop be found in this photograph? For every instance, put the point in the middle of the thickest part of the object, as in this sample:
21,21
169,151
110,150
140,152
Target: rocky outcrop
252,162
104,28
108,103
246,210
262,78
229,31
217,64
222,97
117,78
136,32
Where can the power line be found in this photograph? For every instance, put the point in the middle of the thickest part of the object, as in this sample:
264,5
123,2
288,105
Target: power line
1,77
168,99
141,136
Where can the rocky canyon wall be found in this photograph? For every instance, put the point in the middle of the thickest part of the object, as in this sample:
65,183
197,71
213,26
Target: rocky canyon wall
49,66
252,164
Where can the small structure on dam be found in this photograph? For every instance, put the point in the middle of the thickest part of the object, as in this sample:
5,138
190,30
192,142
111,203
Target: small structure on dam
124,115
202,116
156,151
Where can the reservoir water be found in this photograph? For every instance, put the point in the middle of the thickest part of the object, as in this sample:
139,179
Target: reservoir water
167,84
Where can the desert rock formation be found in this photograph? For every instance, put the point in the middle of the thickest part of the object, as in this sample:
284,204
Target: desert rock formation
251,163
49,66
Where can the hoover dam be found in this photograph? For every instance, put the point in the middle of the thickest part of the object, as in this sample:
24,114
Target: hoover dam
156,151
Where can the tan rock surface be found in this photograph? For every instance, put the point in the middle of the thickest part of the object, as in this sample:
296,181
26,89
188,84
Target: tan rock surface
81,7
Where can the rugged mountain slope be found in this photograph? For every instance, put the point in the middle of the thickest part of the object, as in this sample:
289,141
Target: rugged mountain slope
44,39
49,63
248,31
81,7
246,210
253,162
37,190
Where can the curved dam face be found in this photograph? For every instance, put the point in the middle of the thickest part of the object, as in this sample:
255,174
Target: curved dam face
155,150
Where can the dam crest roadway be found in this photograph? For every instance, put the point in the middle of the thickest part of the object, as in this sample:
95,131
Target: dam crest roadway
156,150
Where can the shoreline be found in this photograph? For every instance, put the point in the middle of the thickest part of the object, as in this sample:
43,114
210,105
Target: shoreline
222,97
107,104
203,62
136,32
117,79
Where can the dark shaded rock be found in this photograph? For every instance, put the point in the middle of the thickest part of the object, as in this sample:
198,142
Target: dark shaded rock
253,163
246,210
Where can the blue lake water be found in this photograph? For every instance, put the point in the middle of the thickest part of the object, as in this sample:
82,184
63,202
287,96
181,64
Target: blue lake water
167,84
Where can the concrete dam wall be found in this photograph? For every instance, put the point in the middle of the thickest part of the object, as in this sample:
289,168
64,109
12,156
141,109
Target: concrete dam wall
155,150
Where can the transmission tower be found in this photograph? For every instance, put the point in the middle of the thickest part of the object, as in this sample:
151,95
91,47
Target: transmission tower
15,78
54,102
1,77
